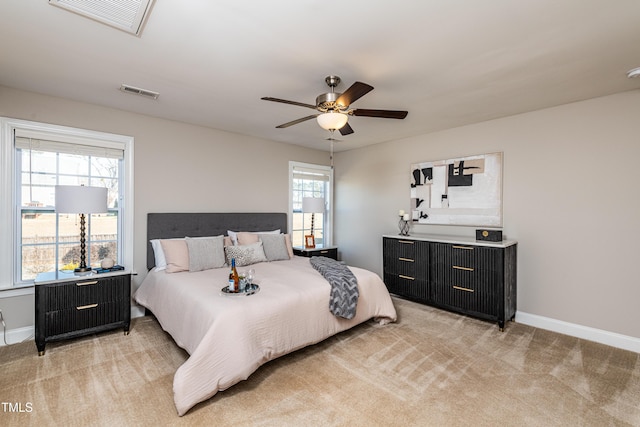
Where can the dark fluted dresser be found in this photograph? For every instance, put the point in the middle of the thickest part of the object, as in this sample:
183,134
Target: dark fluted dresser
476,278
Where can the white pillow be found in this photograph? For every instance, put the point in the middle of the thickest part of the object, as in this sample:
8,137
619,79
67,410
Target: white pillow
234,238
158,254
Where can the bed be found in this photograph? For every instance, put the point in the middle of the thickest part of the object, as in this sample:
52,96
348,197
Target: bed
229,337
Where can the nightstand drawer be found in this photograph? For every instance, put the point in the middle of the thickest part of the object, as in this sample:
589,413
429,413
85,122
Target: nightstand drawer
326,252
84,292
83,317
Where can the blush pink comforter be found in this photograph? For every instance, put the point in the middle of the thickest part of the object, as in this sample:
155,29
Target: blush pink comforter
229,337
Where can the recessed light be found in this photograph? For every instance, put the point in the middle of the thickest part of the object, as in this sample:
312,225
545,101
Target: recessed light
633,73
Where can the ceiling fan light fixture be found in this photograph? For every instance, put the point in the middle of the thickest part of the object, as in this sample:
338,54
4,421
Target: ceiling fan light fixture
332,121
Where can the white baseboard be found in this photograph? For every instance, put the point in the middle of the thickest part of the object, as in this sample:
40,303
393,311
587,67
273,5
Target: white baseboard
137,311
15,336
592,334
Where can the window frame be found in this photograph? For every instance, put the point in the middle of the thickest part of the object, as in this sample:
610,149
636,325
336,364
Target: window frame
9,224
328,214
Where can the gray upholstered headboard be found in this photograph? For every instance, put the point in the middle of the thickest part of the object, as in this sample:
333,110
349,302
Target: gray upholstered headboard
170,225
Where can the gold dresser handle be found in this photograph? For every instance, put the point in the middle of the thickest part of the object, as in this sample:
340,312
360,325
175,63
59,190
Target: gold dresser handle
468,248
462,289
406,259
406,277
84,307
457,267
324,252
408,242
93,282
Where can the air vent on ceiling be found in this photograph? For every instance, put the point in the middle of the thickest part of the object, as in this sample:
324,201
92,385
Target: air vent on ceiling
137,91
125,15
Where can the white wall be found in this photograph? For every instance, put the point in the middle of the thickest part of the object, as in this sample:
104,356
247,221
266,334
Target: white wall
571,199
177,168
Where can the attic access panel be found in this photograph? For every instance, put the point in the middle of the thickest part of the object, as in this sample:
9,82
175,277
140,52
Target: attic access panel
125,15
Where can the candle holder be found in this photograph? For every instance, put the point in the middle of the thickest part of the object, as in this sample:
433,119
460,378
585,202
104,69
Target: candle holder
403,225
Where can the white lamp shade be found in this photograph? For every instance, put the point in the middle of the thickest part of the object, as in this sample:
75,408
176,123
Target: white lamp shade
80,199
312,204
332,121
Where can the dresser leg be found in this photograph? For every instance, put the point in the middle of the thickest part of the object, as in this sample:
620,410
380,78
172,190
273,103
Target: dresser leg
41,353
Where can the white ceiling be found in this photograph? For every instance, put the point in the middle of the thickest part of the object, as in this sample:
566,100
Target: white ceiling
448,62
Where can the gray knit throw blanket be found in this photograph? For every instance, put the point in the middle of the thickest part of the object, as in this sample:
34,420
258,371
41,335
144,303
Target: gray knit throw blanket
344,286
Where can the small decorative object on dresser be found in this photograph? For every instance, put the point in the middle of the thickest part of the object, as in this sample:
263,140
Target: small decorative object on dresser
489,235
455,273
69,306
403,223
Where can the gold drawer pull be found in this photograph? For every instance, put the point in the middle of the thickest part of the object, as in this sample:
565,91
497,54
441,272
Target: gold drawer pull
408,242
468,248
93,282
463,289
84,307
457,267
406,259
324,252
405,277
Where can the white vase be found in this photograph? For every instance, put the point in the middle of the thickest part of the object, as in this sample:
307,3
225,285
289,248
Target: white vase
106,263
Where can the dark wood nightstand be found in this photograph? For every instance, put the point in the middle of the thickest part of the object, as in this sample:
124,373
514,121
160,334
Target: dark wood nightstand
328,251
69,306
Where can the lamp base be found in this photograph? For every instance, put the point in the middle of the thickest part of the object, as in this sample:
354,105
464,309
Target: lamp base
82,271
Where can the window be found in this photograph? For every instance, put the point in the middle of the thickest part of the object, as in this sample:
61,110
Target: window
37,157
308,180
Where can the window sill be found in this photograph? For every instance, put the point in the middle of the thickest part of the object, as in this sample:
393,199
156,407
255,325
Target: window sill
16,291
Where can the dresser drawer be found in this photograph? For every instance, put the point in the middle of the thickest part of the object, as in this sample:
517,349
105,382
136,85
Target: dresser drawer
407,286
400,266
468,299
466,257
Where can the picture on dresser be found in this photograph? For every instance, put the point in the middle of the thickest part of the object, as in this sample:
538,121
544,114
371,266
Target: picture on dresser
461,191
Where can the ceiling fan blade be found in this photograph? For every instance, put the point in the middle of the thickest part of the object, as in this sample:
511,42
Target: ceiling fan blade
385,114
284,101
346,130
355,92
295,122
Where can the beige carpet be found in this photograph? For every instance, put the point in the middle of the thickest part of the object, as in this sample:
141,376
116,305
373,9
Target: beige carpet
432,368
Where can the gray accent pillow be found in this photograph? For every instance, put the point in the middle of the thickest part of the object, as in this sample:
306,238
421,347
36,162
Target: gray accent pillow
275,246
245,254
205,252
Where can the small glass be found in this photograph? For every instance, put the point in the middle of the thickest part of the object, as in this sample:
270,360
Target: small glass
251,274
242,276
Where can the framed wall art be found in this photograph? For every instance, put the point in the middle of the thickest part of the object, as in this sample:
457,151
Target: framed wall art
462,191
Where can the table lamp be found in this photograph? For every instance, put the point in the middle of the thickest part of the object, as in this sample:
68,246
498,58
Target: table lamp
74,199
312,205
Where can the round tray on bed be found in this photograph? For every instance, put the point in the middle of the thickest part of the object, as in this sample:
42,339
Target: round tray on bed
249,290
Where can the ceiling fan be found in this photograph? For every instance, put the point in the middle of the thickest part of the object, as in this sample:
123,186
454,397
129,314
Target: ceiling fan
334,108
